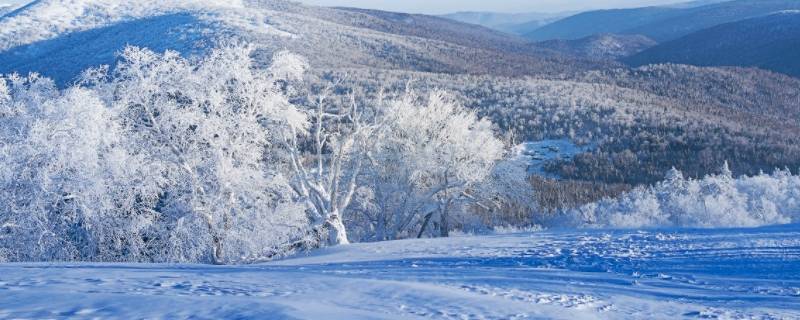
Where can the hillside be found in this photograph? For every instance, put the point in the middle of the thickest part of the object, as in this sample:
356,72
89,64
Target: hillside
601,21
644,121
589,274
60,41
601,46
770,42
659,23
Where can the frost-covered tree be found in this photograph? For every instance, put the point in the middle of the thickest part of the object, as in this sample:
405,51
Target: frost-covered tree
69,188
327,162
431,152
209,159
163,158
208,128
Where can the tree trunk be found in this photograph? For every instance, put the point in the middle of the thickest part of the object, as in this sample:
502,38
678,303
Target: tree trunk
444,226
337,233
218,253
216,240
424,225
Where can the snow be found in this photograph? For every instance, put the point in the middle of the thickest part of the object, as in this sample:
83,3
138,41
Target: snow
60,39
48,19
608,274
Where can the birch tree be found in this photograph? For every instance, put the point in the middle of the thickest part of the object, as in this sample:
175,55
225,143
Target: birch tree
432,152
327,162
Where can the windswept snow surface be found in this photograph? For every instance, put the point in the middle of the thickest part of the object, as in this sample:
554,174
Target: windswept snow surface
597,274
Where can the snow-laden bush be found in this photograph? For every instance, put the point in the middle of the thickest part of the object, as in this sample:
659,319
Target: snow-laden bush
430,159
173,159
162,159
64,192
715,201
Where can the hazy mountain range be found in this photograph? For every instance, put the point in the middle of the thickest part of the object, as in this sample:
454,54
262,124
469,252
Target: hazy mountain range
770,42
658,23
514,23
743,33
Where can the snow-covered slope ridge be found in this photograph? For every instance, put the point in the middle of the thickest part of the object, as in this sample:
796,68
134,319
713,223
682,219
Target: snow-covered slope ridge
598,274
46,19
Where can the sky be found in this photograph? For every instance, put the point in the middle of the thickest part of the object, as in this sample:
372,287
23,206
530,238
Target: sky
518,6
448,6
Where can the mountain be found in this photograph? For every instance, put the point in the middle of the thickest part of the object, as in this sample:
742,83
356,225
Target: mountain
601,46
658,23
602,21
514,23
640,122
770,42
59,39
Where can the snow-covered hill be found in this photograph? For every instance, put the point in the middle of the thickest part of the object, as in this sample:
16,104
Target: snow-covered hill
661,274
659,23
47,19
770,42
60,38
601,46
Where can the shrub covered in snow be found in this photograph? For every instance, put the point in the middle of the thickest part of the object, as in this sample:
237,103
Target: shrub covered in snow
163,159
716,201
167,158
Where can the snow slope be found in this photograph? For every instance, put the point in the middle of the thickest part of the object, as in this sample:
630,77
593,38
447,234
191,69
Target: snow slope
46,19
60,38
659,274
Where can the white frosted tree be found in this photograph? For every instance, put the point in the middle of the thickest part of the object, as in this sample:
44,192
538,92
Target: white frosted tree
209,126
327,162
70,189
430,153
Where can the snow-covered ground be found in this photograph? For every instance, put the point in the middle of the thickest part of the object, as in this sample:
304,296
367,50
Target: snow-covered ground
662,274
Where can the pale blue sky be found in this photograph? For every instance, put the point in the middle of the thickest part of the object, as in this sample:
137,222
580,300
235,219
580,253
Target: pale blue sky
446,6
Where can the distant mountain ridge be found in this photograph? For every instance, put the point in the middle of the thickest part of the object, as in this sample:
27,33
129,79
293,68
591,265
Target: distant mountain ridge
514,23
658,23
771,42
